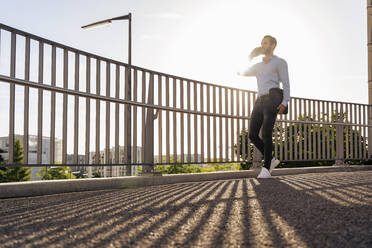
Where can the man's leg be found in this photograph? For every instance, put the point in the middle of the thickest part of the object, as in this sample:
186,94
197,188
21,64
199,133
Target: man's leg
269,118
255,124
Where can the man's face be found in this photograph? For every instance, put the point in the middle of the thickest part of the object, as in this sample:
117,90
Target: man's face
267,46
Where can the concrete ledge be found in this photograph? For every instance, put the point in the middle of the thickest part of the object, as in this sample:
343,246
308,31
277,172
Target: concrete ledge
37,188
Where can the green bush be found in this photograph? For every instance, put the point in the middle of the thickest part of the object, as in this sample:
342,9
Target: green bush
204,170
245,166
192,168
294,134
96,174
178,168
62,172
15,174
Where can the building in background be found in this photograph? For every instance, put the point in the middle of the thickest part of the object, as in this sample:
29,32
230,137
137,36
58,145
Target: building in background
32,151
185,158
113,171
77,169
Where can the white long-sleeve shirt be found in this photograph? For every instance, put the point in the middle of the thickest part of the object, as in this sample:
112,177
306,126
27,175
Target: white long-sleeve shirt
270,75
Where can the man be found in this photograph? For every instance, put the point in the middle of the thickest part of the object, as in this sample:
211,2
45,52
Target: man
270,102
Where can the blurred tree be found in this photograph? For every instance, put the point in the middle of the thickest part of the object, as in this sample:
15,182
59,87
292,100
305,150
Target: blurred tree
16,174
317,134
61,172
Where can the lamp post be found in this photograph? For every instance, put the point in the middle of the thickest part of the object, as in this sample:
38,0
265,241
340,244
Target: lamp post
369,44
129,90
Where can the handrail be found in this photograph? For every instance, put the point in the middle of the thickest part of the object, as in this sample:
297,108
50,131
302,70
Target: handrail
91,55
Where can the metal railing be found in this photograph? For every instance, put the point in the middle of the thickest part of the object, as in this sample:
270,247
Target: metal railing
174,119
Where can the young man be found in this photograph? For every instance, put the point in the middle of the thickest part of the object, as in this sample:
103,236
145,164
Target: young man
270,102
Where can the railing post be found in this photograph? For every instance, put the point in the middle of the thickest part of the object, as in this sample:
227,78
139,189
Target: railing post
369,107
369,44
340,139
149,132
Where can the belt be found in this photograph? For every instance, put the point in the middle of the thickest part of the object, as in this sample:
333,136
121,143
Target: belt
267,95
264,96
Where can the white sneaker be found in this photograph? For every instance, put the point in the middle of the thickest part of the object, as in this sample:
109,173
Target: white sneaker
274,163
264,173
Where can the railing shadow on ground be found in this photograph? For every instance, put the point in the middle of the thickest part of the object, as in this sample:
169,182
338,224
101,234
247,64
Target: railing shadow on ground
317,211
314,210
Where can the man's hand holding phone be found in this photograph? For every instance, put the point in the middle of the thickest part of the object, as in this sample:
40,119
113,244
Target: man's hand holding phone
256,52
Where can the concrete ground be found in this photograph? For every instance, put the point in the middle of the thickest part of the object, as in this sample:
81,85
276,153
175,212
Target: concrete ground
306,210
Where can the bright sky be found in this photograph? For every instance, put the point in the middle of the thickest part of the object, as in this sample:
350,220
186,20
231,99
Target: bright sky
324,42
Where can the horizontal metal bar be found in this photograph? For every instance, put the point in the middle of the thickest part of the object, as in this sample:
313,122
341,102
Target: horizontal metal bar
251,161
91,55
59,45
115,100
70,165
155,164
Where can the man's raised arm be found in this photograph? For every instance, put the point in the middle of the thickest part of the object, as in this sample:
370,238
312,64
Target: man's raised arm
250,72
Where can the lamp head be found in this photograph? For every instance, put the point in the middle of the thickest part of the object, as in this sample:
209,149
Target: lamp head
97,24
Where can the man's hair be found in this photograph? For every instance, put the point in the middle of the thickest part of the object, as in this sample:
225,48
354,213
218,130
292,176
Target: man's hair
271,39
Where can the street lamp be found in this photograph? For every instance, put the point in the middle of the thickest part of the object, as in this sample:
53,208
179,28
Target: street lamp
108,21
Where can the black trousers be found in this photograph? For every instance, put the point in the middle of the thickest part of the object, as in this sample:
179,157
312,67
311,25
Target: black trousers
263,116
